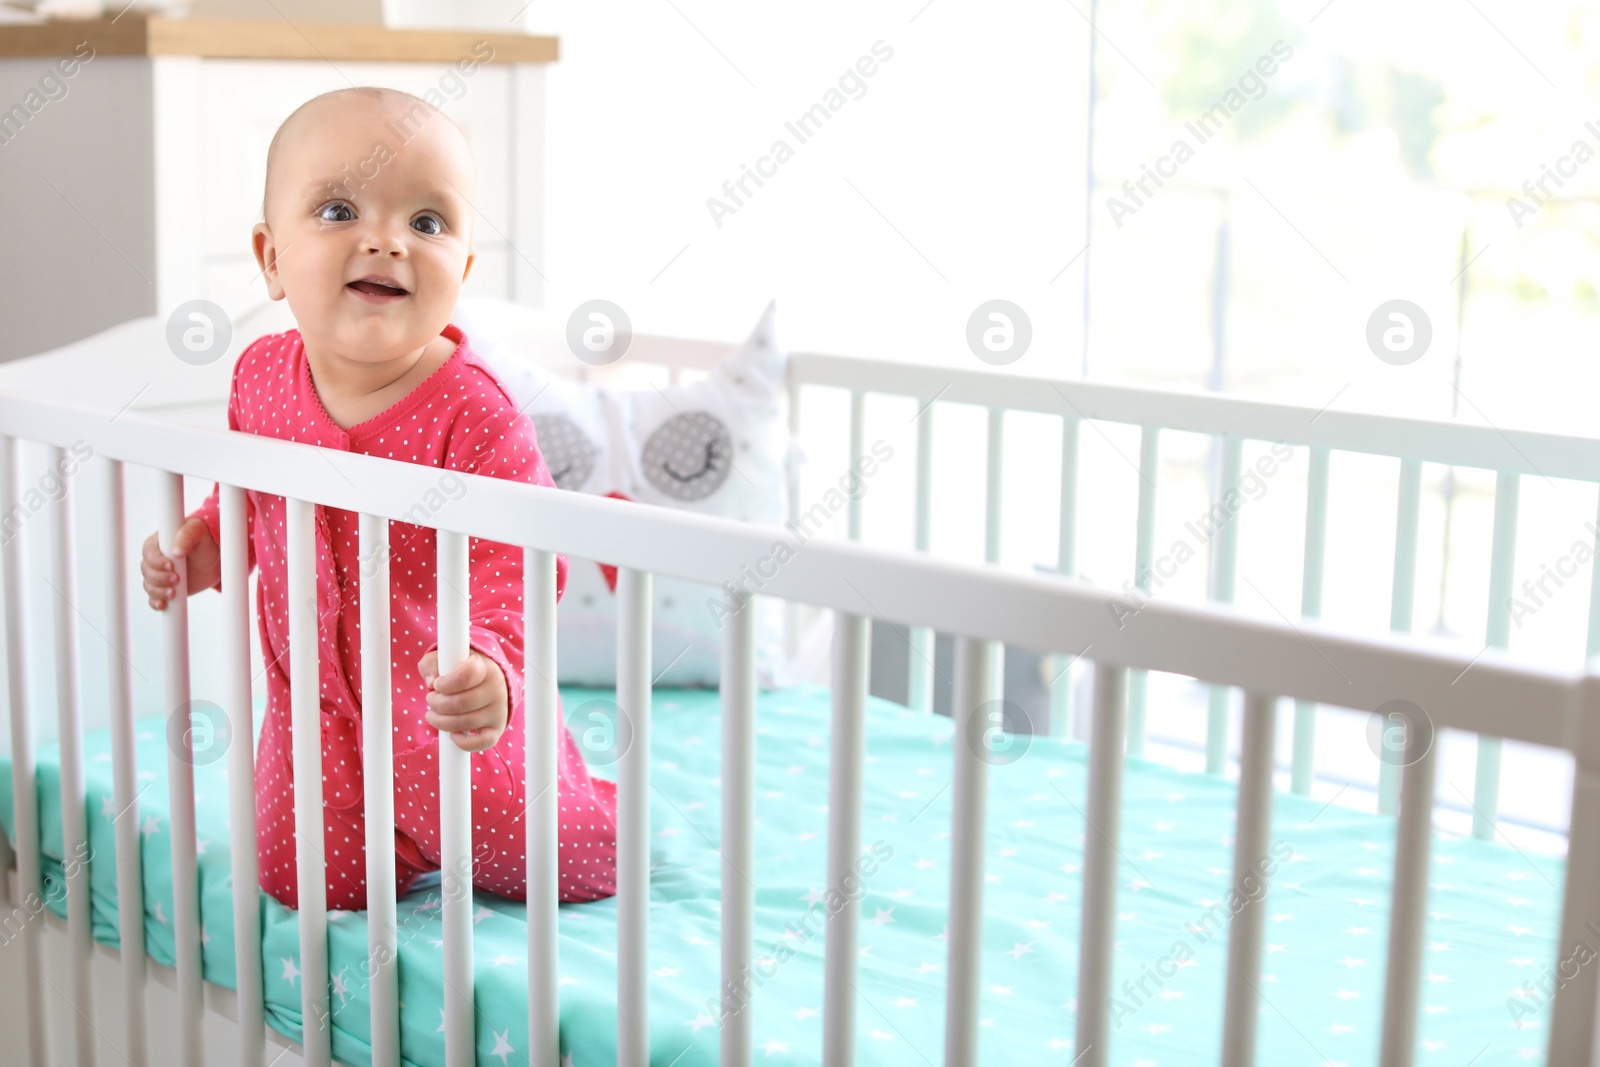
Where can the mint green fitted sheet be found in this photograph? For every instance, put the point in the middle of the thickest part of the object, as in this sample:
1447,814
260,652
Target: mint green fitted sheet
1493,912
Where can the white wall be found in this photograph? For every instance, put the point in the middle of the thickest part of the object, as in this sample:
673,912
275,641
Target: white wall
968,142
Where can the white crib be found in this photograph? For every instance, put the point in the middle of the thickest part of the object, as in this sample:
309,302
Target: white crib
986,607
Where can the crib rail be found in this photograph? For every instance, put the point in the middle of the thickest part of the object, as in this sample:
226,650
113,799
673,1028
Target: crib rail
1230,421
1430,441
984,607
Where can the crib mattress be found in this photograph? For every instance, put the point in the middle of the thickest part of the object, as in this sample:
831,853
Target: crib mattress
1492,913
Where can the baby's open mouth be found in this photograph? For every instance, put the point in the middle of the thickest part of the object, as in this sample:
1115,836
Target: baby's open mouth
376,287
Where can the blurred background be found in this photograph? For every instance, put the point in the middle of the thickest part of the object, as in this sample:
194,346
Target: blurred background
1396,153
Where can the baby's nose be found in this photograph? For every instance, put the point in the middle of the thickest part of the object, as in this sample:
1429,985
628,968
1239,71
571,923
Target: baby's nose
384,238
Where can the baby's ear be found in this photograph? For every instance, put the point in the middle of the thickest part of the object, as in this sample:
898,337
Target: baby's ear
266,251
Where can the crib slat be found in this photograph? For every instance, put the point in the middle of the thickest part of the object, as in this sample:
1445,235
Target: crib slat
738,697
1408,908
852,636
1486,783
241,772
1486,788
542,702
1305,712
919,689
1103,818
180,786
633,819
1067,529
124,773
455,811
1402,600
993,480
975,681
1572,1031
1222,586
858,401
1067,564
792,609
305,700
1592,645
24,794
377,759
69,719
1251,840
1144,554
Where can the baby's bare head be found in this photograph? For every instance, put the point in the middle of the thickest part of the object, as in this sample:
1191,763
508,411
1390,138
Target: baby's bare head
378,123
367,221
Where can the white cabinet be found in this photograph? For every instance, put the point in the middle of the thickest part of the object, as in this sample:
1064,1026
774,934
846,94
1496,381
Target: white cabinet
134,182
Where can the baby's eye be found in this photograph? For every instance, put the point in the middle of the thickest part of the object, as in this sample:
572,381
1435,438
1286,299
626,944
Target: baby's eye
334,205
438,224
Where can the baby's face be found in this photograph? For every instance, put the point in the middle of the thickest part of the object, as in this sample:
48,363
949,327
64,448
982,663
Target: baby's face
369,226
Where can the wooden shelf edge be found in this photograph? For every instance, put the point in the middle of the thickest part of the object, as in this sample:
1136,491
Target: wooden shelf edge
131,35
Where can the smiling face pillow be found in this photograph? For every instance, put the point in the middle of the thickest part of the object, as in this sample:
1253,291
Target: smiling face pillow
719,446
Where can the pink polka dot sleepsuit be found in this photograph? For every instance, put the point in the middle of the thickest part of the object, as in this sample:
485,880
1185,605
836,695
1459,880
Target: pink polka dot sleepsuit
460,419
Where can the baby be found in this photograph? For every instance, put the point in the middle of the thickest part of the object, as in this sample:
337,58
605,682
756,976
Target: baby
370,240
